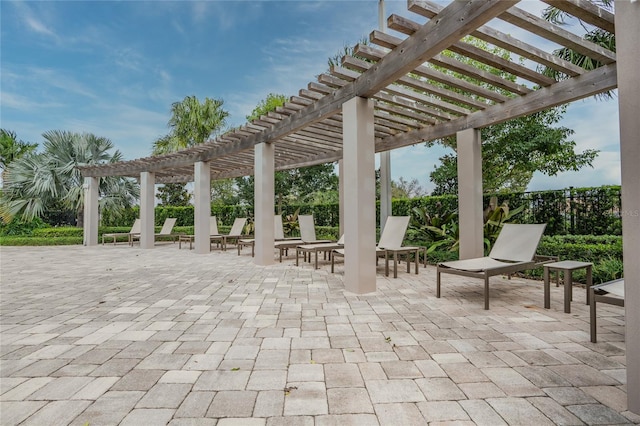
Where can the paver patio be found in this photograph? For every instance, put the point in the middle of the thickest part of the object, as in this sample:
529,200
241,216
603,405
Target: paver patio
120,335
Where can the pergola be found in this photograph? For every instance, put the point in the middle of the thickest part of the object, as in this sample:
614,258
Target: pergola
396,92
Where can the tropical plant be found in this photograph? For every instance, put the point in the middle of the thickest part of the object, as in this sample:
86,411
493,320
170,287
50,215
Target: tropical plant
35,182
290,225
11,149
494,217
191,123
439,229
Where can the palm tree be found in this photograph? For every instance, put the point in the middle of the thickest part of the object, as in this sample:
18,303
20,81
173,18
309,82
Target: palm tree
192,123
595,35
38,181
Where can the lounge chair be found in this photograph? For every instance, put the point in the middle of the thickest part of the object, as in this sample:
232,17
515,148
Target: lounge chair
234,234
278,234
390,242
166,231
513,251
611,292
326,248
213,231
135,230
307,236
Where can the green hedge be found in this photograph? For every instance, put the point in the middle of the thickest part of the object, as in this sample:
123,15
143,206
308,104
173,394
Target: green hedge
38,241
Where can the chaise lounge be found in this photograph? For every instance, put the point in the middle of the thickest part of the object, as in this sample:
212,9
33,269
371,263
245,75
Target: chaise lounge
513,251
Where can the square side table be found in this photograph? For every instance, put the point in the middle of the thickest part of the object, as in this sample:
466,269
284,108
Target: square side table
566,267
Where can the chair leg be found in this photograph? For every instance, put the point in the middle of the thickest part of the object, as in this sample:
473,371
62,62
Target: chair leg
486,292
592,316
438,282
316,252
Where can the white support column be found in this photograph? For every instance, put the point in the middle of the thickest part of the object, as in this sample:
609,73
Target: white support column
385,157
341,194
385,187
627,20
264,203
470,193
91,211
359,196
147,209
202,210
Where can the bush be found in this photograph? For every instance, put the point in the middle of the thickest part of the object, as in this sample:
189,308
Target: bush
39,241
19,227
66,231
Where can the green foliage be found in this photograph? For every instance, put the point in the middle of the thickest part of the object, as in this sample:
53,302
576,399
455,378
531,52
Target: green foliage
224,192
270,103
494,217
192,122
11,148
20,227
598,36
37,182
173,194
512,151
39,241
63,231
438,228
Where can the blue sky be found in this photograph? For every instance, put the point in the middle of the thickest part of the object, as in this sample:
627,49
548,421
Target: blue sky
115,68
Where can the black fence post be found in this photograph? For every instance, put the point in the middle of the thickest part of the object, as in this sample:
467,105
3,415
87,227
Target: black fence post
572,215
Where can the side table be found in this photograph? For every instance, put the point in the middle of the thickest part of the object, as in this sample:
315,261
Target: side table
566,267
185,239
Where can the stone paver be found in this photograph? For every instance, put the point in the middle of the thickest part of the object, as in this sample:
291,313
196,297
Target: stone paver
120,335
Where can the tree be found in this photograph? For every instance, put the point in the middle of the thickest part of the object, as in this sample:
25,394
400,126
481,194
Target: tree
595,35
36,182
11,149
295,185
270,103
224,192
173,194
512,151
404,189
191,123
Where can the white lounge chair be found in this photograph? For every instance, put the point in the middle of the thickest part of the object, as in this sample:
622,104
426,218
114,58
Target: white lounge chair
390,242
513,251
213,232
135,230
307,236
234,234
278,235
611,292
166,231
326,248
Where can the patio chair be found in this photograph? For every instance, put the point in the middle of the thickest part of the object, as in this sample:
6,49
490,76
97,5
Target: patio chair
234,234
513,251
213,231
307,236
390,241
326,248
166,231
135,230
278,235
611,292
